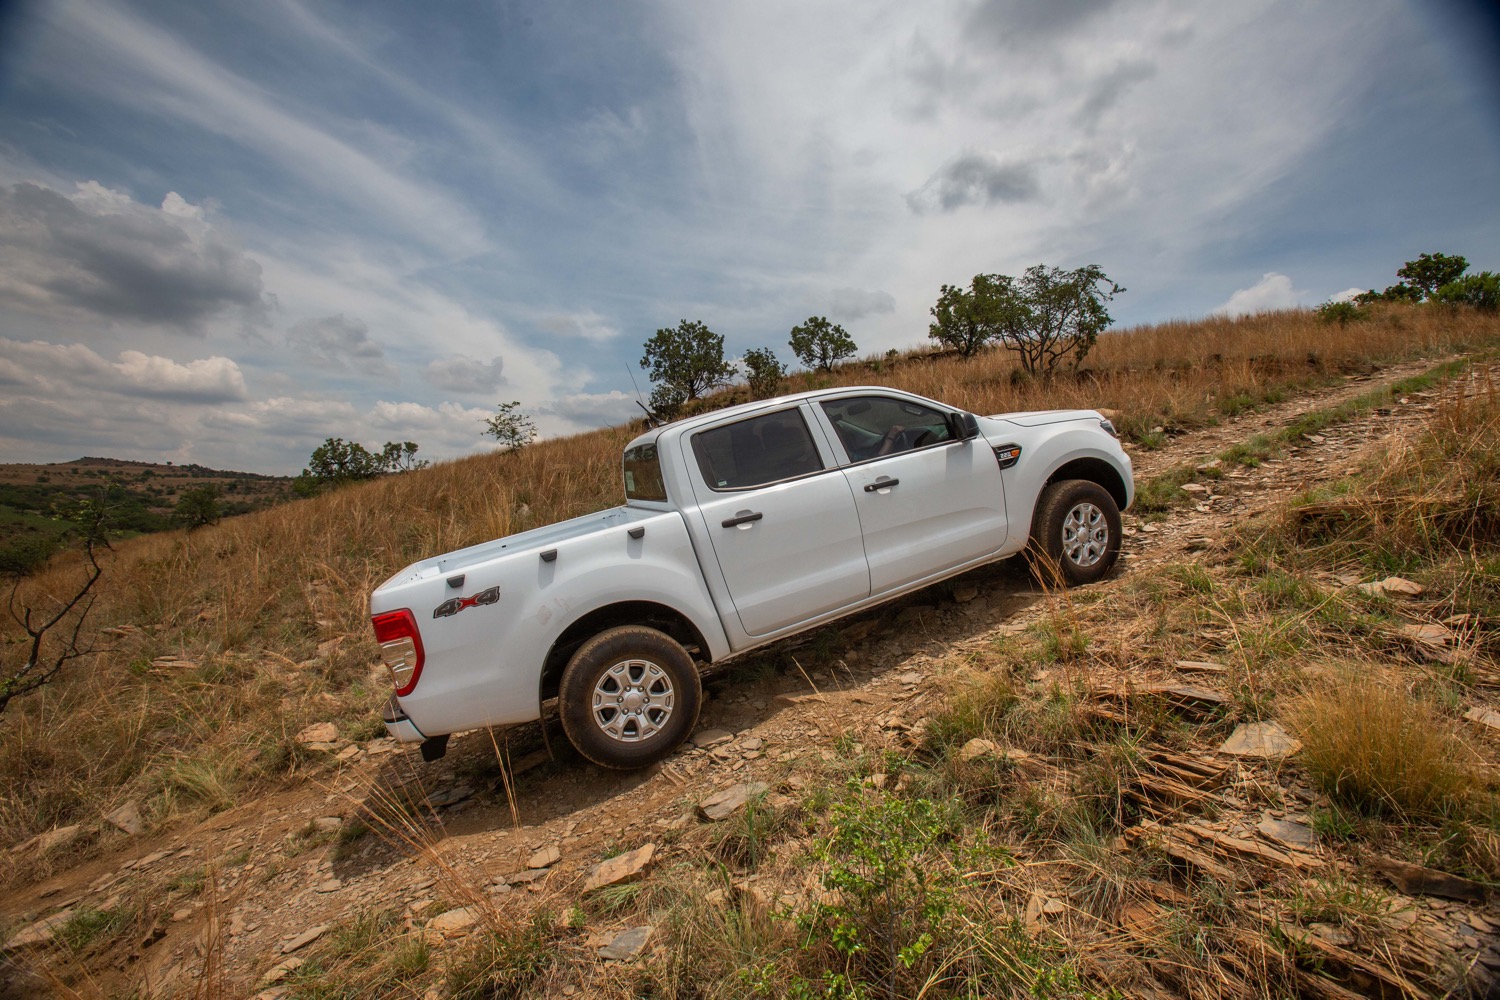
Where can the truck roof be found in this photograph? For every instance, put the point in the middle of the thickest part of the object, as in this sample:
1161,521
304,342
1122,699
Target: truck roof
739,409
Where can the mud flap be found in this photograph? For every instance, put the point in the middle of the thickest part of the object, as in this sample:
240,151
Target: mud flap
434,747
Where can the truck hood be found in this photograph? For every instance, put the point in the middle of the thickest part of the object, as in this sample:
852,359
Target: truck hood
533,540
1038,418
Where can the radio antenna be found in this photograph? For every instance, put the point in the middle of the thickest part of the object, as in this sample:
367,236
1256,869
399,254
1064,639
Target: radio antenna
651,420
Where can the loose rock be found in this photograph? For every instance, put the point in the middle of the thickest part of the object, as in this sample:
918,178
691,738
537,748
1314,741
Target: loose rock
545,858
304,939
127,818
723,804
318,732
627,944
706,738
1414,880
619,869
1261,739
454,922
1287,832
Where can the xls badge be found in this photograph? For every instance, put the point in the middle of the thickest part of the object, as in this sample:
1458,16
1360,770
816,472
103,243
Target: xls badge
457,604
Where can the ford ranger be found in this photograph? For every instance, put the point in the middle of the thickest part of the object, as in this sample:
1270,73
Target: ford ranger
740,527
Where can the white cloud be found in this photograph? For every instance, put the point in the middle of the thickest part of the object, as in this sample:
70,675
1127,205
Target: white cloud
339,341
1347,295
584,410
75,370
1272,292
583,325
466,375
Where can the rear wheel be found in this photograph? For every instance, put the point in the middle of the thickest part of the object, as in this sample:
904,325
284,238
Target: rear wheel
628,697
1075,535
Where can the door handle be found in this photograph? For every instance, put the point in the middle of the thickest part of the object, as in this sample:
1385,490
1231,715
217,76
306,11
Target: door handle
883,483
739,519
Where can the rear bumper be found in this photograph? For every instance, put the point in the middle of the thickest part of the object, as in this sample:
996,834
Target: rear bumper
398,725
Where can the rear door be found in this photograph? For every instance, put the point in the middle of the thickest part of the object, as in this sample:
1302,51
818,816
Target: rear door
781,519
927,502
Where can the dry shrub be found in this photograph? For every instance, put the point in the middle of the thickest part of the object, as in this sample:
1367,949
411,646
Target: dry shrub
1369,744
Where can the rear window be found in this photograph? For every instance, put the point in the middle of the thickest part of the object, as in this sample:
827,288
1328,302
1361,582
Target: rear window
754,452
643,474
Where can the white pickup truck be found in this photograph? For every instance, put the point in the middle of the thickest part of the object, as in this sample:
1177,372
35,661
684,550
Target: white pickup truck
741,527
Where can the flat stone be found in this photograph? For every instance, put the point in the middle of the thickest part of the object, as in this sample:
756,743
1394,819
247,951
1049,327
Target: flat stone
60,836
725,803
1414,880
963,595
1487,717
1428,634
127,818
304,939
627,944
286,968
450,796
909,678
318,732
618,869
976,748
1189,692
454,922
1287,832
705,738
1194,488
1200,667
328,824
40,933
1053,905
1393,585
1260,739
528,876
751,743
545,858
330,885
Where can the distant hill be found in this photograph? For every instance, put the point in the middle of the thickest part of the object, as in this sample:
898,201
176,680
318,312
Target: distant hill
143,494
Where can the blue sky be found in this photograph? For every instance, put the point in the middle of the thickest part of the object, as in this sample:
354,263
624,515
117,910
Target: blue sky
228,231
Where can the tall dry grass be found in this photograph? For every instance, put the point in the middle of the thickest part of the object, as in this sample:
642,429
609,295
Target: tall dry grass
271,606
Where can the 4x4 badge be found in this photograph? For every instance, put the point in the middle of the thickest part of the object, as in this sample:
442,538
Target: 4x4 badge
457,604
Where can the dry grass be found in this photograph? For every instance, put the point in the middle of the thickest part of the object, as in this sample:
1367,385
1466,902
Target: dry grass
1369,744
271,607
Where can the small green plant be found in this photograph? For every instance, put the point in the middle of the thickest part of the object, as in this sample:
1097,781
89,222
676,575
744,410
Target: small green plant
1339,899
89,927
1342,313
510,426
763,372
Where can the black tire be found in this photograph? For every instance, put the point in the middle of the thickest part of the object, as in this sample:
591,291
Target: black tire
656,692
1075,533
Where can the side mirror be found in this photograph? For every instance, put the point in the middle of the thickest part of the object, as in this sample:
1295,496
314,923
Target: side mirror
963,426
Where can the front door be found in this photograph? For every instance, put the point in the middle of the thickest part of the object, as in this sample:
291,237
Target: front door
926,502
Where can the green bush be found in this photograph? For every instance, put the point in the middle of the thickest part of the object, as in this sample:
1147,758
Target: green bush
1341,313
1482,291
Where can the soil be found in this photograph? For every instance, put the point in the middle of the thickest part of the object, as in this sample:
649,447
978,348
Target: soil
270,873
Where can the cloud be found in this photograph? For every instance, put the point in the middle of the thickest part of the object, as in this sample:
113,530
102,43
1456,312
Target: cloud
462,374
584,325
339,341
849,304
974,179
1106,91
65,371
1272,292
1347,295
98,254
595,409
1016,22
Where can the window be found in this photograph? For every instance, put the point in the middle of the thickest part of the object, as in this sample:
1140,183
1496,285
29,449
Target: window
643,474
872,426
757,451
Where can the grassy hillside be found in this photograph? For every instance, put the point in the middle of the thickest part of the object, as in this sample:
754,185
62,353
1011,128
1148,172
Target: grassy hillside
265,614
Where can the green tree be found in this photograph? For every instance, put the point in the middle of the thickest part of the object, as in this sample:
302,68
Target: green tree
511,426
199,507
763,372
967,320
819,344
1431,271
689,358
401,456
337,462
1482,291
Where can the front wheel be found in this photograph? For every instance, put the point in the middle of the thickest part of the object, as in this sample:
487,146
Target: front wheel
1075,535
628,697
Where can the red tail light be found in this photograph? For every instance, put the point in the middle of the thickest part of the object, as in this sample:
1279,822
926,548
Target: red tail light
400,647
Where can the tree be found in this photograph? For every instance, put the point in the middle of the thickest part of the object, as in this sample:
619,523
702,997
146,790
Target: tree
1482,291
818,343
45,653
763,372
1048,316
199,507
689,358
1431,271
511,426
966,321
401,457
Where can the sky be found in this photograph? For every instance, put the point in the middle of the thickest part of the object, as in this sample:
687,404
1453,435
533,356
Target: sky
229,231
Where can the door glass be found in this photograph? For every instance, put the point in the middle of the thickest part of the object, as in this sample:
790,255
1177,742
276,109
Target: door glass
874,426
764,449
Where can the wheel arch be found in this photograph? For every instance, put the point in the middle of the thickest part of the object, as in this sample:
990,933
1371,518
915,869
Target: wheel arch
651,614
1095,470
